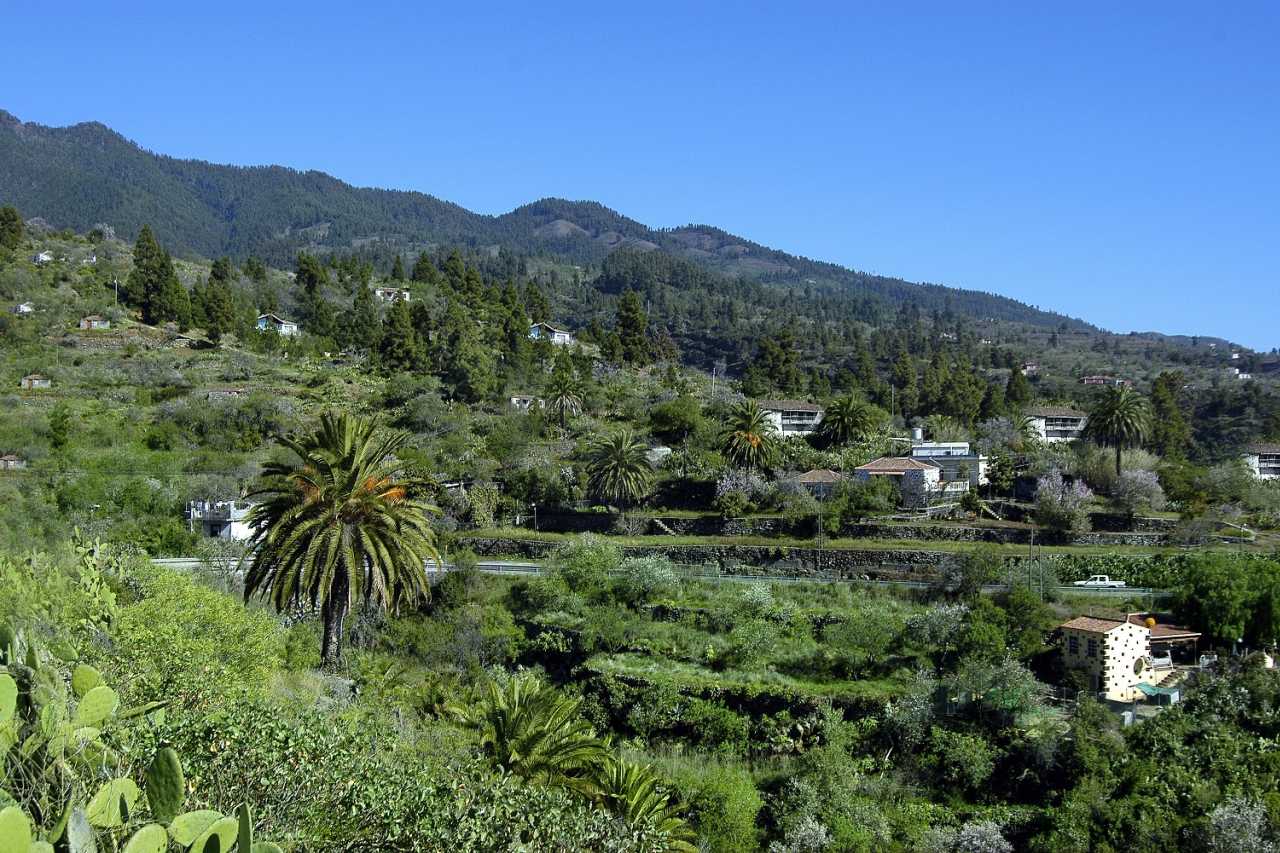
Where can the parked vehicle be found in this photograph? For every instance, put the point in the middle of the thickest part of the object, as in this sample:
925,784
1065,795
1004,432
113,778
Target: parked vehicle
1100,582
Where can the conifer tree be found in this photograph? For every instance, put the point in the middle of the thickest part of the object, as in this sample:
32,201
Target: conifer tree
536,303
361,328
11,229
311,274
1017,392
632,327
399,348
397,269
1170,433
219,309
424,270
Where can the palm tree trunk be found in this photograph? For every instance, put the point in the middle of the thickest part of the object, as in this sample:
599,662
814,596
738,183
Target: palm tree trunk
334,613
1118,449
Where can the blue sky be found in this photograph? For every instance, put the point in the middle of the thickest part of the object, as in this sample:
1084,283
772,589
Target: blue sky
1118,164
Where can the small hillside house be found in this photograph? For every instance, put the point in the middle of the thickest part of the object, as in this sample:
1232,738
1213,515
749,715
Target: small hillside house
35,381
918,480
820,482
223,393
391,295
1030,368
792,417
1104,380
271,322
23,309
42,259
1057,423
1121,657
548,332
220,519
12,462
1263,459
526,402
94,321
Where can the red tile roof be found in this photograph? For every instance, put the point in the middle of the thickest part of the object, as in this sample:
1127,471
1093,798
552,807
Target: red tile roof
1092,624
821,475
895,465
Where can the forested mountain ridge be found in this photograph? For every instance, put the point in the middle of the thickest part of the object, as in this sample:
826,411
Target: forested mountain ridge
85,174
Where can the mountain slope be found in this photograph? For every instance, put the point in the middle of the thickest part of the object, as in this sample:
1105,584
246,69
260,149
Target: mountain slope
85,174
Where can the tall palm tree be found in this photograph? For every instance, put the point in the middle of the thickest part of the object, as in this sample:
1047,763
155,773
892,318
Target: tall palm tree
631,792
564,396
530,730
618,469
849,419
750,440
1121,420
337,526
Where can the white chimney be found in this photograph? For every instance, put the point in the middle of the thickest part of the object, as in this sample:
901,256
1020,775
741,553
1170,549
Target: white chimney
917,435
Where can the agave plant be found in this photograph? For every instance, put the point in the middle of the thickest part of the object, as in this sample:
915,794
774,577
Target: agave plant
631,792
338,526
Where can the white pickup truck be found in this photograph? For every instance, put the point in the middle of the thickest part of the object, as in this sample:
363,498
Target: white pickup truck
1100,581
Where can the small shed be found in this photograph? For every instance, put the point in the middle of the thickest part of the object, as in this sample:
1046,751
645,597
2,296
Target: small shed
12,462
820,482
94,321
35,382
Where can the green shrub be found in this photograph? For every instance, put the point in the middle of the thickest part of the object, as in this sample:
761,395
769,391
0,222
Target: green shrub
715,728
189,643
723,805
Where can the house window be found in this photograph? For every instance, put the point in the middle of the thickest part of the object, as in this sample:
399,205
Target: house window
1073,645
1091,651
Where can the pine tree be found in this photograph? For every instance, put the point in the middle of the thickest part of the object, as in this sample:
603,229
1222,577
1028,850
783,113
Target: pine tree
256,270
424,270
466,364
219,309
1017,392
904,380
536,303
632,325
361,328
1170,434
11,228
993,404
399,348
397,269
148,271
311,274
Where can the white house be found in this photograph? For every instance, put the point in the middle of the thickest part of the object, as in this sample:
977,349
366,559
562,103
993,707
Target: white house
220,519
956,459
1057,423
43,258
1263,460
94,322
792,417
24,308
278,325
391,295
548,332
527,402
35,381
12,462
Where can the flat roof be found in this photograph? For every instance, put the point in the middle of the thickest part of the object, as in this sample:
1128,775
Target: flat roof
790,405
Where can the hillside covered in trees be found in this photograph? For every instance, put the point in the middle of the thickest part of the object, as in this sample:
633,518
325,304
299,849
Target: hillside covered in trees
80,176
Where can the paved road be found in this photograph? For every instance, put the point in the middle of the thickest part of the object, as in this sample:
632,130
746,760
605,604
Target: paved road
516,567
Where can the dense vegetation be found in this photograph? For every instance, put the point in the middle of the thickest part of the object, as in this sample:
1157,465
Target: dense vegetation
615,699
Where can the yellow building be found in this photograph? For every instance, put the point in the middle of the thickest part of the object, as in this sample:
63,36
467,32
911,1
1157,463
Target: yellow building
1114,654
